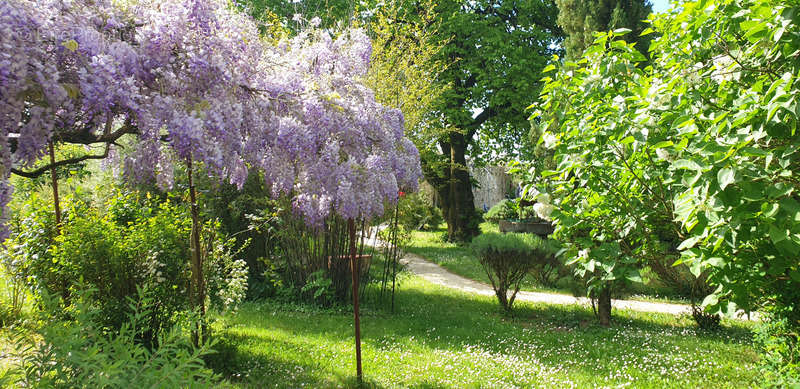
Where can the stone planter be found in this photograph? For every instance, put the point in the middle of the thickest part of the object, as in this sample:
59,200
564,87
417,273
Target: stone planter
542,229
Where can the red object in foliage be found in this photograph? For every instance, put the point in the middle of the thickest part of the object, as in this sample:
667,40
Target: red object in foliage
401,193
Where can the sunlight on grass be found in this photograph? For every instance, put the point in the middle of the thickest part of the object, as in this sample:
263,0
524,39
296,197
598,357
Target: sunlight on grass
443,338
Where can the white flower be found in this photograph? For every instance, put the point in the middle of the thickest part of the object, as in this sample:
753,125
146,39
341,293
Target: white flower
549,140
543,210
583,253
315,21
297,17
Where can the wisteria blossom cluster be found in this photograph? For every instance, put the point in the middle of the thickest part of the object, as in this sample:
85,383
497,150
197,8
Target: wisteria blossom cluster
194,80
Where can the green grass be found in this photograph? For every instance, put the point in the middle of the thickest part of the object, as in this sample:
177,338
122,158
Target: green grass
460,260
440,338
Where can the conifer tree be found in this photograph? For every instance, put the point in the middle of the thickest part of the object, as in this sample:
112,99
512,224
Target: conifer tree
581,18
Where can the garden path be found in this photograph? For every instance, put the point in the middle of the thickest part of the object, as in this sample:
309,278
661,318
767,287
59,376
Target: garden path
441,276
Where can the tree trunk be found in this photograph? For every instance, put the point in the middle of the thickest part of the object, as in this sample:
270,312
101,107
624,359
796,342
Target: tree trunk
198,287
604,306
454,187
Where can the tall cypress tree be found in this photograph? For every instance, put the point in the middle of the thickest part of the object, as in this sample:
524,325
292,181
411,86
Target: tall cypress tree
581,18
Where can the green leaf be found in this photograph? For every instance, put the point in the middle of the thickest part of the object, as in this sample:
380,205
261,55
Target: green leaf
777,235
621,31
663,144
686,164
769,209
689,243
549,68
710,300
627,140
792,207
647,31
634,276
725,177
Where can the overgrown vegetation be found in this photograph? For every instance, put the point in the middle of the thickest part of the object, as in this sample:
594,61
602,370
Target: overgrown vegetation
83,353
130,241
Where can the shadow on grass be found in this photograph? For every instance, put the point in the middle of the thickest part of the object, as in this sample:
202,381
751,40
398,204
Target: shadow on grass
243,367
439,319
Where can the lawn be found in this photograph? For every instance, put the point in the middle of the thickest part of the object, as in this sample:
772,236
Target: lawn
440,338
460,260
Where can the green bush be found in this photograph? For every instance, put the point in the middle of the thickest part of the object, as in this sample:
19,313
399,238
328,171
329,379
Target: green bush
81,353
778,342
504,210
131,241
416,213
507,258
509,209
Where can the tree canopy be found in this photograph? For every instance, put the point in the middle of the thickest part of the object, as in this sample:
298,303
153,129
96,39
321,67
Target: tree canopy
705,136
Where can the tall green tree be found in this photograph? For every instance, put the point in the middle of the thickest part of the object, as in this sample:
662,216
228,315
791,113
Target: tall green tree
405,64
496,51
580,19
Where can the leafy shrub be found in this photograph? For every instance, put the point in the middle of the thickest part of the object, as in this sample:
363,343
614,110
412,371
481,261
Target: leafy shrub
507,258
132,241
81,353
320,288
13,293
504,210
150,251
509,209
416,213
779,344
226,277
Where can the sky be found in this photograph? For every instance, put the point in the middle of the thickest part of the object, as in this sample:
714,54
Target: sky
660,5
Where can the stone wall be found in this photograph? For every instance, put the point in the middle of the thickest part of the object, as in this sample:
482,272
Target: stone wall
493,184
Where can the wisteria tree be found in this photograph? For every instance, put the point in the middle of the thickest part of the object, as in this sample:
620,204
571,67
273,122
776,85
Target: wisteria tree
193,82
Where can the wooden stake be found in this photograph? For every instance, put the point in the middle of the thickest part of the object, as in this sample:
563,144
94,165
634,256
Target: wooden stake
354,268
55,185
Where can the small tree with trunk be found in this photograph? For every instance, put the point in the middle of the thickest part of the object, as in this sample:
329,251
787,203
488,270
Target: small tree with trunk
508,258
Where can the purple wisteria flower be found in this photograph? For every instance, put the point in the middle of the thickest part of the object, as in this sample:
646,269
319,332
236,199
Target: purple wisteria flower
193,79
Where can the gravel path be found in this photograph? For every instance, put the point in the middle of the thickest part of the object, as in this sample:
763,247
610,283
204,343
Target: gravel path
441,276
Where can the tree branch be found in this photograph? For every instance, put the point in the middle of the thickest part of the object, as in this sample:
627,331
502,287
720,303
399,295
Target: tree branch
44,169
